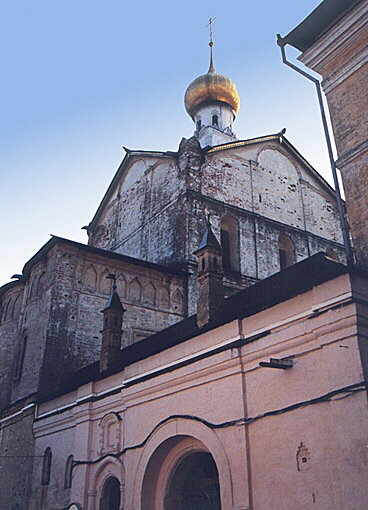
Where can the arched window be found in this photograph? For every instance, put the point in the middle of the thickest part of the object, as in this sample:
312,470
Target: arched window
110,497
215,120
230,244
199,124
68,472
286,251
46,467
19,362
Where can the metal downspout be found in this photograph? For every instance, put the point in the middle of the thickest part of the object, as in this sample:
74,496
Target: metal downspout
344,227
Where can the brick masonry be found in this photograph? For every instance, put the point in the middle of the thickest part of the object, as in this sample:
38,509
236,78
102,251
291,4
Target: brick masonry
341,57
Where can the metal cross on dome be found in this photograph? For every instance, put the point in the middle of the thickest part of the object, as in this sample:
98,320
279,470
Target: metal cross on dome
210,23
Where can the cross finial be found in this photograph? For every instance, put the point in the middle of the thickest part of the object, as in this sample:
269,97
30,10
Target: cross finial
210,44
211,21
112,277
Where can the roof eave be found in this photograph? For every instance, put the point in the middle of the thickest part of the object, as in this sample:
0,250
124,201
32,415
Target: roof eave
325,15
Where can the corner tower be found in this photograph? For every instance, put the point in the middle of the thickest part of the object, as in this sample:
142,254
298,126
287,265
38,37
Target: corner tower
212,101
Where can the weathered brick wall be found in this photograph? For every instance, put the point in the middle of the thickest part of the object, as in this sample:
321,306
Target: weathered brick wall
153,300
258,242
348,103
348,107
340,55
11,304
60,316
28,321
16,460
266,180
141,211
33,326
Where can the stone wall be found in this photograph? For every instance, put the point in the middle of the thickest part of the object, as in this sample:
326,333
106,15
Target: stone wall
153,301
267,180
258,242
340,55
139,219
11,303
259,184
16,458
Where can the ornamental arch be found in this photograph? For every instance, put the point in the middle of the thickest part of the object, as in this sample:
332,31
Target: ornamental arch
107,481
162,480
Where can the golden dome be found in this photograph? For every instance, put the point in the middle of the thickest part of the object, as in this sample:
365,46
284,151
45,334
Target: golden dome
211,87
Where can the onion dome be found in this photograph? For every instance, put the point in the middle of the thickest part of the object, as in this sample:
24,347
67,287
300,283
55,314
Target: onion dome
209,88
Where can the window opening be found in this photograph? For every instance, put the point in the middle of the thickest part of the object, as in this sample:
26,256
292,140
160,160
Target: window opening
230,244
215,120
46,467
286,251
68,472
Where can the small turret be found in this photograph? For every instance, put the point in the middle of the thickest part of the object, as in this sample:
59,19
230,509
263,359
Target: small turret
110,355
210,276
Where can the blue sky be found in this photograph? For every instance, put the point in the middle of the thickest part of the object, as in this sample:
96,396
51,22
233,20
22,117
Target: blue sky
80,79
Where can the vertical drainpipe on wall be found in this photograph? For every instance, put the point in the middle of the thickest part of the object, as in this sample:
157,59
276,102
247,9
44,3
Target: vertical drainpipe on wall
349,254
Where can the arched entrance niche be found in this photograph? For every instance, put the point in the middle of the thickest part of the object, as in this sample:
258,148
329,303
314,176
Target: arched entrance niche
181,475
194,484
110,495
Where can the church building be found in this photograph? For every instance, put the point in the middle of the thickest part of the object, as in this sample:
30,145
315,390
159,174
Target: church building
203,350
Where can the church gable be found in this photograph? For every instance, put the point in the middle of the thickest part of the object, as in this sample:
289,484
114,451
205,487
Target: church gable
277,192
145,184
269,177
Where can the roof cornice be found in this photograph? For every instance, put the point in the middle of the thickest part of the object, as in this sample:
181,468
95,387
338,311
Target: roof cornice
336,36
43,251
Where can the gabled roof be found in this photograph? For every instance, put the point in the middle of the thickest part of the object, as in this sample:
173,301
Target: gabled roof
277,137
282,140
130,154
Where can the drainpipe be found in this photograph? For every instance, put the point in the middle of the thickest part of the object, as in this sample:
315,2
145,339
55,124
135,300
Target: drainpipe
349,254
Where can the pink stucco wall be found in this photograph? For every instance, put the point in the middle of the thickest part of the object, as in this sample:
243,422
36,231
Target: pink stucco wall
260,464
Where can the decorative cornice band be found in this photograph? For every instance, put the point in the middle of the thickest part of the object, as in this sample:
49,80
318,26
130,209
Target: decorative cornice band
341,75
336,36
348,157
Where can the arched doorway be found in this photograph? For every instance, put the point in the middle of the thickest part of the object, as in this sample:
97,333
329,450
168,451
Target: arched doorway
194,484
110,496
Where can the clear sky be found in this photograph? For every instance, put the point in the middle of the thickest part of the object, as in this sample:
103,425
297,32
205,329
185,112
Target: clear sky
82,78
